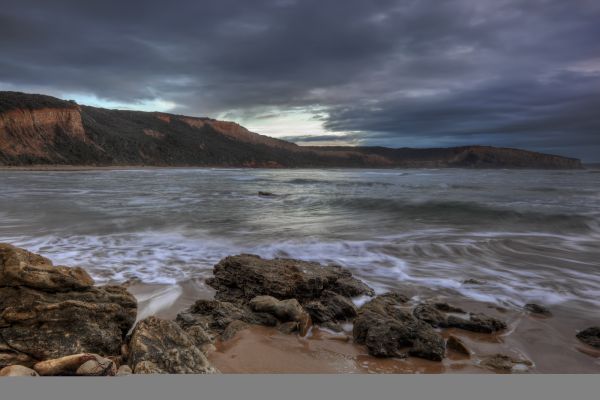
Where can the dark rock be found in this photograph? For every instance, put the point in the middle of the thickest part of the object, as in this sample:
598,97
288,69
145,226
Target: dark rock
429,314
243,277
476,323
472,281
17,370
454,343
331,307
167,346
590,336
266,194
50,312
388,331
537,309
233,328
445,307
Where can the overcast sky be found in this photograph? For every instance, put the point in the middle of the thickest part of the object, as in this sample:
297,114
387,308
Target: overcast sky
362,72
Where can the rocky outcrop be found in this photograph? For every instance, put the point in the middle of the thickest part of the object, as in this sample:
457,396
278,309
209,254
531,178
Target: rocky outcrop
389,331
161,346
246,276
37,130
48,312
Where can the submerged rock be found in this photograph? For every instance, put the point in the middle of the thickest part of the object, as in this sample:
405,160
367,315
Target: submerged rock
246,276
388,331
164,344
505,363
590,336
476,323
17,370
49,312
537,309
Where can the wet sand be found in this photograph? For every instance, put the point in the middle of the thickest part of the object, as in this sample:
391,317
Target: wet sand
548,342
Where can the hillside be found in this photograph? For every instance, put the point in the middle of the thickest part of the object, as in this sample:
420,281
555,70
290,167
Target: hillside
43,130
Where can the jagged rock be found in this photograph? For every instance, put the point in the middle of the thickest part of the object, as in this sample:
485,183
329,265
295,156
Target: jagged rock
388,331
167,346
124,370
476,323
590,336
430,314
49,312
233,328
243,277
215,315
147,367
284,310
17,370
330,307
98,366
457,345
19,267
537,309
505,363
202,339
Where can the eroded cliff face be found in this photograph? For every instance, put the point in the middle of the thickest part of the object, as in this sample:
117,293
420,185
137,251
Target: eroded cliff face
33,134
37,130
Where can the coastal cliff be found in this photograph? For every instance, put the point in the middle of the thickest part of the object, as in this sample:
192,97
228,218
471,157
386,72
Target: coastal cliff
43,130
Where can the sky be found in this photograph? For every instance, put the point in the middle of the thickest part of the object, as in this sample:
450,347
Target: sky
406,73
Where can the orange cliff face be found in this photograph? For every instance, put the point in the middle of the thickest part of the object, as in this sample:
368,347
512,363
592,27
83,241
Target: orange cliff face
32,133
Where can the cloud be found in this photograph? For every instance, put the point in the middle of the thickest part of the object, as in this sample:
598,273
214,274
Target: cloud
520,73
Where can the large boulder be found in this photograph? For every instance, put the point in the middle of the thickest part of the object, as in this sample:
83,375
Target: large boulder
246,276
389,331
160,346
49,312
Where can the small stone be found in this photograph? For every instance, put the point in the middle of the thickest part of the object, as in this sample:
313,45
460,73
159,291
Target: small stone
477,323
537,309
590,336
124,370
454,343
17,370
97,367
505,363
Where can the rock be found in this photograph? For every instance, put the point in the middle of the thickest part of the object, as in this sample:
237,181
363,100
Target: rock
388,331
472,281
19,267
213,316
331,307
124,370
454,343
445,307
288,327
99,366
284,310
57,310
147,367
590,336
202,339
430,314
537,309
233,328
243,277
167,346
476,323
66,365
505,363
17,370
266,194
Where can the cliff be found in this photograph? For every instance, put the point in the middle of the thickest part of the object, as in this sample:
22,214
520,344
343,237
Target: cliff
42,130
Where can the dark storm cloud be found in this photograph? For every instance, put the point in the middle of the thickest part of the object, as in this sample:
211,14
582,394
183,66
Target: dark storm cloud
397,73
